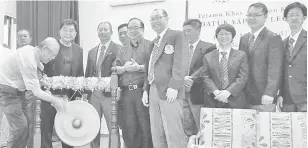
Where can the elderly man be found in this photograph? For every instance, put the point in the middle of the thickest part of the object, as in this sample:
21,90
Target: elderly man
19,73
164,83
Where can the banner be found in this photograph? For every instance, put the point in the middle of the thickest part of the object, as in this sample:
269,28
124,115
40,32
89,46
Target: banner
212,13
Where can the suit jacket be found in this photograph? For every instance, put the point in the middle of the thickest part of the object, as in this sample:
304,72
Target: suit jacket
265,63
52,68
197,89
294,86
238,72
170,69
108,59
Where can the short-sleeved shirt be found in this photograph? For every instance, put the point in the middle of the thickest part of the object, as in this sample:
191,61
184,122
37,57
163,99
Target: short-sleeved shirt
19,69
140,54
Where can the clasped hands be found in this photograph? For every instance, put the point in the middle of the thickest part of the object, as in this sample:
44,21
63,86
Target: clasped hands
222,95
131,66
188,81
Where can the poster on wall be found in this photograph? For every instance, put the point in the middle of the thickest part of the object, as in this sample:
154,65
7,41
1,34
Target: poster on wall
212,13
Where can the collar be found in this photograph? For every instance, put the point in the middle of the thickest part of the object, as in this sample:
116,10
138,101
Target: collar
163,33
295,36
138,43
61,41
106,45
195,43
228,50
257,32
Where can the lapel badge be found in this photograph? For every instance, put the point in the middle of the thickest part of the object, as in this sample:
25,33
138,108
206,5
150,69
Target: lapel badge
169,49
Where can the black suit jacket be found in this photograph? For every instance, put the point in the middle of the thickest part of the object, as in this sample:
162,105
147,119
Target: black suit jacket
106,65
197,89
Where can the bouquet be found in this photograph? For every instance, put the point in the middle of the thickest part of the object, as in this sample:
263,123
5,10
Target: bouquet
76,83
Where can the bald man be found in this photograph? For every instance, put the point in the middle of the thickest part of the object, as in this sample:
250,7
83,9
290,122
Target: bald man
19,72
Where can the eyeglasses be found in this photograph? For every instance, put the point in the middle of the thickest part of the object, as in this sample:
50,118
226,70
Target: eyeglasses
68,31
157,18
254,15
294,15
133,28
224,34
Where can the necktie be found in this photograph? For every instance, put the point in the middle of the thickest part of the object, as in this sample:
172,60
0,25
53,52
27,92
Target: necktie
99,61
154,58
290,46
251,41
191,52
224,70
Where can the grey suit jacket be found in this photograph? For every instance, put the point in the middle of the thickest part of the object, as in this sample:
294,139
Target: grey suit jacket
265,65
294,86
238,71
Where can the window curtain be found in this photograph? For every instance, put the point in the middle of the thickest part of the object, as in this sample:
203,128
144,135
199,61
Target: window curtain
43,18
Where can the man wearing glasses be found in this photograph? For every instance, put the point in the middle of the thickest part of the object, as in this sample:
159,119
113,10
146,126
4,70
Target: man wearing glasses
130,63
69,62
164,83
265,55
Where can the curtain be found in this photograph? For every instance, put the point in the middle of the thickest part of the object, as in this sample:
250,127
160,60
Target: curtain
43,18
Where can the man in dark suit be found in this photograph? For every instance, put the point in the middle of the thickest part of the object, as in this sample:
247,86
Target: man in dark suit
100,60
194,90
294,86
265,56
68,62
225,72
165,82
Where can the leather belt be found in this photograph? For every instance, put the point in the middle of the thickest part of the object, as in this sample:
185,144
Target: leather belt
10,90
132,87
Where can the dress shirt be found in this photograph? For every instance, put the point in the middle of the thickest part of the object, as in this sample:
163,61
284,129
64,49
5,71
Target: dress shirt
257,32
19,69
227,55
99,47
194,45
295,37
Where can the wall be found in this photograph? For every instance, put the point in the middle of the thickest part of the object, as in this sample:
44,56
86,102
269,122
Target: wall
6,8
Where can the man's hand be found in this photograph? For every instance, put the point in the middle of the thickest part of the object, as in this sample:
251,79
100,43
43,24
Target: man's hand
216,92
188,83
171,94
267,100
60,103
280,101
223,96
145,99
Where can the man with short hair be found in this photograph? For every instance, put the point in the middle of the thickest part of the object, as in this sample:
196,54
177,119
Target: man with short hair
100,60
130,63
294,86
19,72
164,83
194,88
69,62
122,31
265,57
23,38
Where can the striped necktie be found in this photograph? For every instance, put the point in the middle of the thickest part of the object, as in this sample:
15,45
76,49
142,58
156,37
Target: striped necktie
291,46
191,53
224,70
154,58
251,41
100,60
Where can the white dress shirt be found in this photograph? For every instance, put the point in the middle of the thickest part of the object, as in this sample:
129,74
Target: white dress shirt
295,37
99,51
256,34
227,55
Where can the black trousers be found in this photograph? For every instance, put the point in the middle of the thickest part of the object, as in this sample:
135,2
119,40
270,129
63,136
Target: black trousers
136,120
48,114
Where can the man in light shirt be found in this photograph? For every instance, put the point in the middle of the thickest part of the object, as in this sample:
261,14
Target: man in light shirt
19,73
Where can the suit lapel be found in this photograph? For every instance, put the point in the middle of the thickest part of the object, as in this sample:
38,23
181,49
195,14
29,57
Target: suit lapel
215,60
196,55
299,43
94,54
106,53
259,39
162,44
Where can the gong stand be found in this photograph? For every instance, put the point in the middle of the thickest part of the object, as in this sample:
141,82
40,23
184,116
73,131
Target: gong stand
114,141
